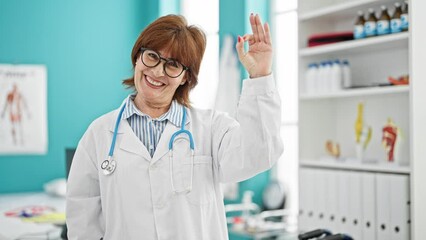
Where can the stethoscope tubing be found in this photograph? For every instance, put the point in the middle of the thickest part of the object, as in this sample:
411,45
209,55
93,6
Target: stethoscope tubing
114,137
191,146
182,131
108,166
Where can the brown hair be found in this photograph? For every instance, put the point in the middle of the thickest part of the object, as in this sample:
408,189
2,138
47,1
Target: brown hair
184,42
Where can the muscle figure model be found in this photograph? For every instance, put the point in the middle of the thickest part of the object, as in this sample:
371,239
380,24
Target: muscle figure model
389,139
14,106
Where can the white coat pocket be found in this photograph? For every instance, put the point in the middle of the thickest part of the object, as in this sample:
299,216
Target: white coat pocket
202,183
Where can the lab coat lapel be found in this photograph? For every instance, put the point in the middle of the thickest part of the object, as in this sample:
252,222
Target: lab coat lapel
163,145
130,142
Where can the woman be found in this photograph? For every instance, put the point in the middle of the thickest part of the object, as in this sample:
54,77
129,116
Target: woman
132,177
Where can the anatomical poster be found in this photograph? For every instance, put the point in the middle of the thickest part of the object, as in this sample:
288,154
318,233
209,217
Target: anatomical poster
23,109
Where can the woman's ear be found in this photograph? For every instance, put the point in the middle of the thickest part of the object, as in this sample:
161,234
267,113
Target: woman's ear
183,81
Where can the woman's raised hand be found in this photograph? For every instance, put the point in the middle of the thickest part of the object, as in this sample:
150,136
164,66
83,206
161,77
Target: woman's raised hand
258,59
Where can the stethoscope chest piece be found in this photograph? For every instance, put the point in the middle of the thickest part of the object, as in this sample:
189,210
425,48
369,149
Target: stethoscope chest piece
108,166
105,164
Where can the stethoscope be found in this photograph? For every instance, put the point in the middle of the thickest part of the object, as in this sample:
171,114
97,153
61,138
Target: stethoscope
109,165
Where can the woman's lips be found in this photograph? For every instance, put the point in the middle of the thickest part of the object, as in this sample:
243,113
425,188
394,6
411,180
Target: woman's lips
153,83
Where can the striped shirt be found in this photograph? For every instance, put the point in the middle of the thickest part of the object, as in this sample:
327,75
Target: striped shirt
148,129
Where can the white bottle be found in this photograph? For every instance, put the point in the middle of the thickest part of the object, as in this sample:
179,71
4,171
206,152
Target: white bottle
327,77
318,79
247,202
322,82
346,74
310,76
315,76
336,76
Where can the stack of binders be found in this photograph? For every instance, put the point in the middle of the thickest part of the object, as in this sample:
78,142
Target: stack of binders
363,205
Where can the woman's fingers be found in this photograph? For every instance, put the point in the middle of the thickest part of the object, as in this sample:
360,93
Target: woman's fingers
257,59
267,34
240,47
260,33
246,38
249,38
254,27
260,30
240,44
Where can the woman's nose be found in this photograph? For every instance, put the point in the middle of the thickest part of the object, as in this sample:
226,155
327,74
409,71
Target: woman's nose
159,70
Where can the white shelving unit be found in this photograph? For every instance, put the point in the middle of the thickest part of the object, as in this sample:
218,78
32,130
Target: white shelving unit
362,92
339,10
354,165
386,42
331,115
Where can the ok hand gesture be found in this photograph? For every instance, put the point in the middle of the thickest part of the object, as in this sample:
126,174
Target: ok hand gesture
258,59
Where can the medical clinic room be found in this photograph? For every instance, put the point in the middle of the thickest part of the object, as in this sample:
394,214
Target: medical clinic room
212,120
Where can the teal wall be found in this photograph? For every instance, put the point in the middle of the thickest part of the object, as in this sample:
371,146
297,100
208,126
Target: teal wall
169,7
86,47
234,18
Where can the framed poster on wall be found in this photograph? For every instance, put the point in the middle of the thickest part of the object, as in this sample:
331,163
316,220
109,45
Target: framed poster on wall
23,109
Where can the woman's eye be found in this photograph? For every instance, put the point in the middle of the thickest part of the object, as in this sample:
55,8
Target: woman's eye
153,56
173,64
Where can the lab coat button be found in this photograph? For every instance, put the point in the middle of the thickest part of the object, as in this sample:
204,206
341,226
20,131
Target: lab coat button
152,167
160,206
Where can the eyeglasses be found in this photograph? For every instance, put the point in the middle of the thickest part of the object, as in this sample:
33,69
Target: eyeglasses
172,68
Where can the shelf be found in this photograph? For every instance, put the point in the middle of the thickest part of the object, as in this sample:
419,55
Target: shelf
371,91
342,10
356,166
390,41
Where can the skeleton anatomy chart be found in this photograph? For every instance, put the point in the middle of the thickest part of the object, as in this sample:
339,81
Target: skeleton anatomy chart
23,109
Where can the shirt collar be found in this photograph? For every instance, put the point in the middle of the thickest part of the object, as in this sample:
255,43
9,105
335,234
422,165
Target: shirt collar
174,114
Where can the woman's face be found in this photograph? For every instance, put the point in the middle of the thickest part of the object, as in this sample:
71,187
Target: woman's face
152,84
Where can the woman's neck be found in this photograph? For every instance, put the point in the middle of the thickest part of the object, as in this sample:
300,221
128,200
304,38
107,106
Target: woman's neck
154,110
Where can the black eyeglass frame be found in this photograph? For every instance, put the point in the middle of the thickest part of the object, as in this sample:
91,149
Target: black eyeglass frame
185,68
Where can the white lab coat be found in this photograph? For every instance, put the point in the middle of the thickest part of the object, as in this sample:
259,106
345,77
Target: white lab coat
136,201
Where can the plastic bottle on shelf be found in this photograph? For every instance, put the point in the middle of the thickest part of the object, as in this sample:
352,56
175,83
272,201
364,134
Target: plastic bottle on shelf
327,76
310,76
336,76
319,86
370,26
247,202
404,17
330,82
396,19
346,74
383,24
359,26
307,82
315,77
324,77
